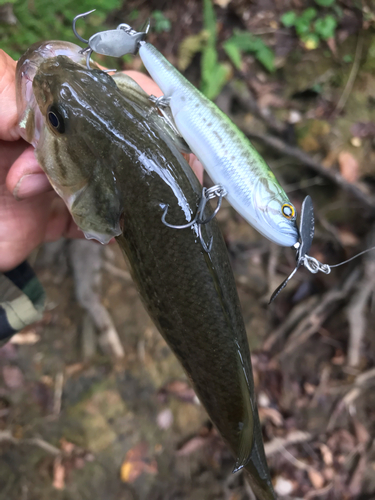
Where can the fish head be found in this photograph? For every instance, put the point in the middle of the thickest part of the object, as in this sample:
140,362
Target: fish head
276,215
64,114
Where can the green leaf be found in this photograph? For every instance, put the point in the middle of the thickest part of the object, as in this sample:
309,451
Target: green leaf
302,26
348,58
325,27
161,22
247,42
266,57
309,14
289,19
218,78
325,3
234,53
209,21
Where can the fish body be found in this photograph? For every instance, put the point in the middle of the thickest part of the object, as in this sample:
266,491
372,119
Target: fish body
113,158
225,152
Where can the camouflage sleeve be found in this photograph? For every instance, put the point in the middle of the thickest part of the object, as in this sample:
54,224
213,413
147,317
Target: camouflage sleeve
18,312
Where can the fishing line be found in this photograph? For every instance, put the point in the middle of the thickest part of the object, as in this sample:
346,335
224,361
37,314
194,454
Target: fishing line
313,265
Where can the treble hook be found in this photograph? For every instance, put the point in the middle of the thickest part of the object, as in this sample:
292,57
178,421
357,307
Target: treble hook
207,194
74,25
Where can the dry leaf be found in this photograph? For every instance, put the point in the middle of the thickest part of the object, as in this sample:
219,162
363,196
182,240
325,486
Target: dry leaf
13,377
348,239
27,337
194,444
361,432
271,414
58,474
326,454
316,478
283,486
349,166
222,3
180,390
165,419
137,461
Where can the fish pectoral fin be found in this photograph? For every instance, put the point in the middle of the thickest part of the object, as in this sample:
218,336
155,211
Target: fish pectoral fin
246,446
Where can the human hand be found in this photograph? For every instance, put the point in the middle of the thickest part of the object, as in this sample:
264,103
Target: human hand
30,211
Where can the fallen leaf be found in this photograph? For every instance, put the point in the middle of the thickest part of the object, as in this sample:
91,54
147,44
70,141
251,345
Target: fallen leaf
66,446
283,486
137,462
58,474
361,432
349,166
316,478
363,129
194,444
348,239
27,337
180,390
222,3
165,419
326,454
13,377
271,414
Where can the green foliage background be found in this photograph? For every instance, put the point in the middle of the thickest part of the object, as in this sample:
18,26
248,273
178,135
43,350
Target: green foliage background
48,20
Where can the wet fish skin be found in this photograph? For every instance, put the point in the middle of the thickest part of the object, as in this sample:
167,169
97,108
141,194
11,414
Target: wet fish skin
131,168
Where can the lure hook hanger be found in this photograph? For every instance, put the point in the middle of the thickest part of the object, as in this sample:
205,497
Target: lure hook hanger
306,231
115,43
217,191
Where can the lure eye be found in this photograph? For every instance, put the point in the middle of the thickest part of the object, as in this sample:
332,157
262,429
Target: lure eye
288,211
56,119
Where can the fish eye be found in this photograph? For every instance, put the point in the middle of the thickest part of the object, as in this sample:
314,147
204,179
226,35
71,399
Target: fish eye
56,119
288,211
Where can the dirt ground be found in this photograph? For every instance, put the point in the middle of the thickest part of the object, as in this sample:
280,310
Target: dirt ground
79,420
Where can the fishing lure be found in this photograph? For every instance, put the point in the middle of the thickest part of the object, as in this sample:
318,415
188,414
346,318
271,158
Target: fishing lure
225,152
228,156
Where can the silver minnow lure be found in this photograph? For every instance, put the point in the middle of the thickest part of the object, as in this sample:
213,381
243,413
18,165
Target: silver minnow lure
225,152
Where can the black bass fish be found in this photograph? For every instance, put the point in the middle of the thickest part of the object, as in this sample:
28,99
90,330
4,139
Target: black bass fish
117,164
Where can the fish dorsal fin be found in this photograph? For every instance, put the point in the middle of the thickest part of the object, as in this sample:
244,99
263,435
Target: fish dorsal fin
246,440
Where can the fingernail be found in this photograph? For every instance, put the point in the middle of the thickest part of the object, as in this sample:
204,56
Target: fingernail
31,185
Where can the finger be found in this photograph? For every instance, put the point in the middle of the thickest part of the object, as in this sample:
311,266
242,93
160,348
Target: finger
8,106
26,178
197,166
145,82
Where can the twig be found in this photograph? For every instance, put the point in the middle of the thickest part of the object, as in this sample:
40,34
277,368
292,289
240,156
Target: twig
86,258
353,392
355,189
116,271
279,444
310,325
6,436
352,76
59,384
296,314
355,310
318,493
